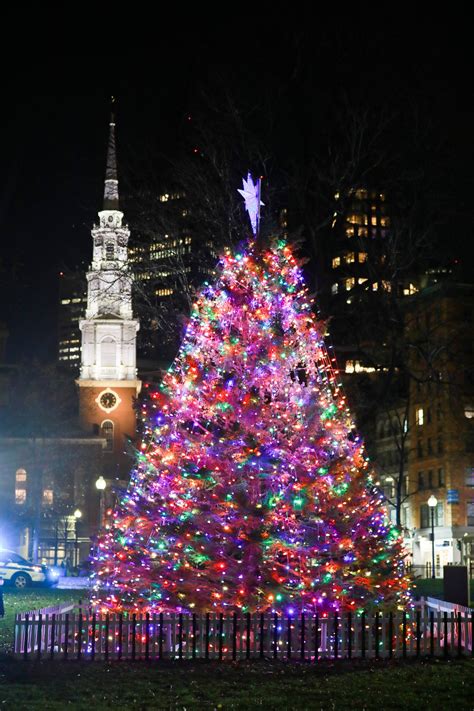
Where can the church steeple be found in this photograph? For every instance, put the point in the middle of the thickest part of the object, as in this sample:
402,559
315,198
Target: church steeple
111,193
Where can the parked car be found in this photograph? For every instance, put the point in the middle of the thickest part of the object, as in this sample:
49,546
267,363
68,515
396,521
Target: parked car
20,573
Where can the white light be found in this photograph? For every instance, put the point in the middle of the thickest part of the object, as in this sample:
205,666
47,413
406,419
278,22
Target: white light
77,513
432,501
101,483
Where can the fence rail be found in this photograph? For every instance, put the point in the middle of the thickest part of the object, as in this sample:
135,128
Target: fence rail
85,635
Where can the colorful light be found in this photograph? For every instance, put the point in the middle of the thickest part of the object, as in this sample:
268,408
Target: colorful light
250,490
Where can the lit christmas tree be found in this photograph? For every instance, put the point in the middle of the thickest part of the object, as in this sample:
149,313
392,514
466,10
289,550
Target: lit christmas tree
251,489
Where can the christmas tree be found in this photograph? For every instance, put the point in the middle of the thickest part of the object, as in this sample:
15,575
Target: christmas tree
251,489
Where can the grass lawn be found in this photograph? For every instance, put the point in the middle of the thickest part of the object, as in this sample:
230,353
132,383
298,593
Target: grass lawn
30,599
429,587
83,686
343,686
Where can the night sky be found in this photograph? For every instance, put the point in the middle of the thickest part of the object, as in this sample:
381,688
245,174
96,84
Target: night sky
56,103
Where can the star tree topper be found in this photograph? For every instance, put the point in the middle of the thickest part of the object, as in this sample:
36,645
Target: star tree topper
251,195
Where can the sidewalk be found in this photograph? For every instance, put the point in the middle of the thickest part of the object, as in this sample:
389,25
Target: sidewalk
73,583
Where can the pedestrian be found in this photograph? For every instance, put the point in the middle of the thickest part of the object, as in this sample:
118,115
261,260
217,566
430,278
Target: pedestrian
2,608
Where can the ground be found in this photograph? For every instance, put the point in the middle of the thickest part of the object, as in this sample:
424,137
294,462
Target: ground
418,685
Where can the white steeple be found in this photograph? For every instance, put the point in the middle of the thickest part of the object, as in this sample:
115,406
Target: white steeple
109,329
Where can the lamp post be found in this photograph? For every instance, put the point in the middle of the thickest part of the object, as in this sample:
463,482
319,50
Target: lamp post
432,503
101,485
77,515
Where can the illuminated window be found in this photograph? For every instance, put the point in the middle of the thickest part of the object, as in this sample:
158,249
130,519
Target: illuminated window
20,476
389,487
355,366
361,194
373,221
382,197
356,219
164,292
66,301
469,411
20,496
350,258
107,431
336,262
419,416
350,232
375,286
386,285
362,257
48,497
363,232
349,283
361,280
20,486
410,290
334,288
164,198
385,221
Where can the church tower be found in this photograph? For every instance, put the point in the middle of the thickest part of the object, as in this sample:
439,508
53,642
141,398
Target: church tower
108,380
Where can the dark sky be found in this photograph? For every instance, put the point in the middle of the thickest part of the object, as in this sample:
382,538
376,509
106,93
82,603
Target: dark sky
56,102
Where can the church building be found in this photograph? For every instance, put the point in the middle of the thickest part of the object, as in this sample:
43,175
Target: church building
108,382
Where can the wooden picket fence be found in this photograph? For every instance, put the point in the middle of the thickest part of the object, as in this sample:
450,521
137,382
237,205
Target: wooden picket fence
83,634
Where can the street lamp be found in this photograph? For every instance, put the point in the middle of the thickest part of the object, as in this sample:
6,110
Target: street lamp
101,485
432,503
77,515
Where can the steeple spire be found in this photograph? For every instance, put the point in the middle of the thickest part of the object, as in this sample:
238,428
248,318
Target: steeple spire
111,194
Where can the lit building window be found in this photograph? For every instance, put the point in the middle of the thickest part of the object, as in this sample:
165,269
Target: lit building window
20,486
334,288
20,496
386,285
373,221
65,301
164,292
355,366
361,280
356,219
350,232
375,286
349,283
419,416
362,257
385,221
107,431
350,258
48,497
410,290
336,262
363,232
361,194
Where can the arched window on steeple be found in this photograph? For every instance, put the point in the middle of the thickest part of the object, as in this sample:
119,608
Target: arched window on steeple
108,352
107,431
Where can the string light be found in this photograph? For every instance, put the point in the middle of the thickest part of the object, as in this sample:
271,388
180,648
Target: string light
251,489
